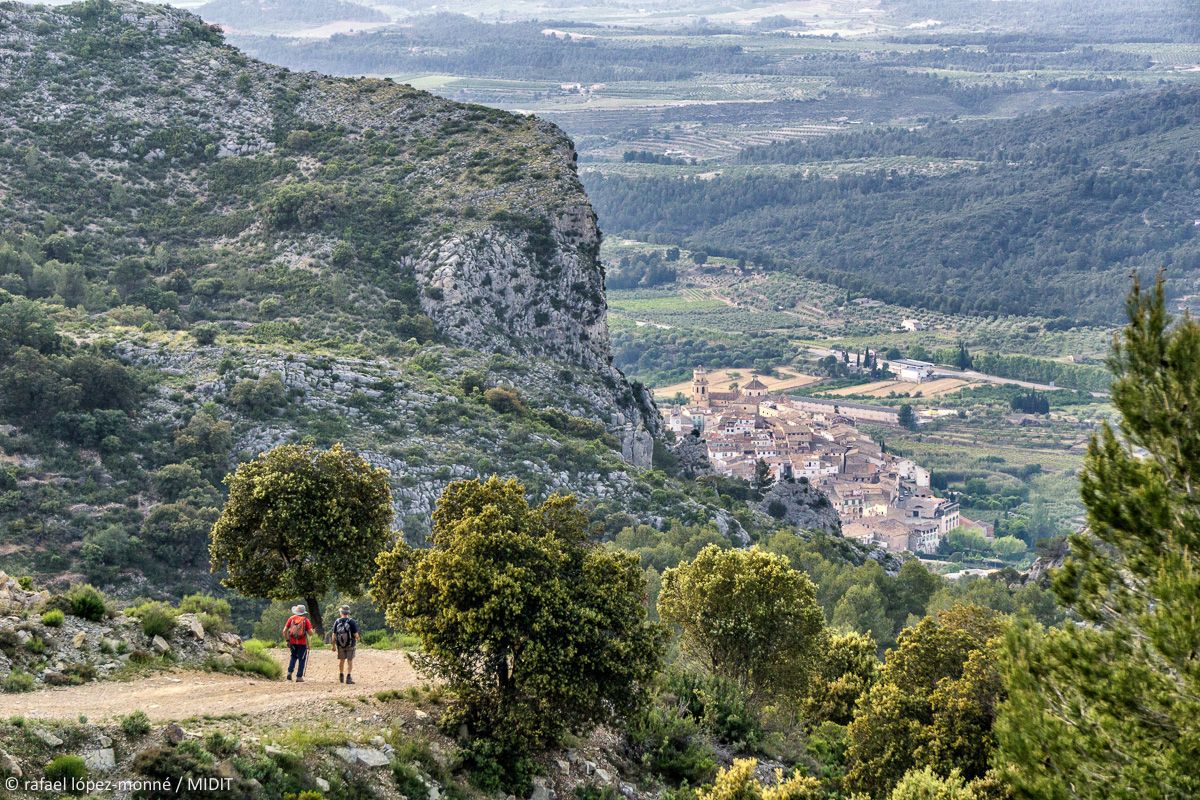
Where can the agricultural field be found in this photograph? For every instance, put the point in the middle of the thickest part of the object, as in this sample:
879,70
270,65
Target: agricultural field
877,389
784,380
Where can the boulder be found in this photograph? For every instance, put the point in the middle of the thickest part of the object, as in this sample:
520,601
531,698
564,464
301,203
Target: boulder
540,792
100,760
9,766
190,624
603,775
47,738
362,756
174,734
322,784
231,639
160,645
78,639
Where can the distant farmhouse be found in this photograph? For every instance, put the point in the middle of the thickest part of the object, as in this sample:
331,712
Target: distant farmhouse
880,498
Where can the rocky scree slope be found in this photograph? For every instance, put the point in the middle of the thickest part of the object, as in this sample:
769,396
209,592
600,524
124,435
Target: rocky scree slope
75,650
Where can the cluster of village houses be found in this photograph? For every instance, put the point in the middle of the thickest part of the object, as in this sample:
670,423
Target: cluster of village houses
881,499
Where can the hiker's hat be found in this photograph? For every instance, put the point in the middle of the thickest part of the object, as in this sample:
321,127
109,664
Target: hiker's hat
344,609
300,609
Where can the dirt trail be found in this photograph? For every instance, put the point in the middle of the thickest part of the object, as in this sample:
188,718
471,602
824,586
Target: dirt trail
184,694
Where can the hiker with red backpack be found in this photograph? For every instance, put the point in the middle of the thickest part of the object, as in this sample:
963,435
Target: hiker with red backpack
296,630
345,639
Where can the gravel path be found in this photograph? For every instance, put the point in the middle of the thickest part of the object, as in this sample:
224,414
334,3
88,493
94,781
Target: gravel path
185,694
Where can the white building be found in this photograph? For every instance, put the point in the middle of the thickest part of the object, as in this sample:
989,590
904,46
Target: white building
911,371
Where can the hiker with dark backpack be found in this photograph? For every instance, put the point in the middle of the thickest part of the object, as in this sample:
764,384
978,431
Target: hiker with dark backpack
345,639
296,631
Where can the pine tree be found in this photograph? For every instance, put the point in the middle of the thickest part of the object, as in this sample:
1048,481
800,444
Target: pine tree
1111,709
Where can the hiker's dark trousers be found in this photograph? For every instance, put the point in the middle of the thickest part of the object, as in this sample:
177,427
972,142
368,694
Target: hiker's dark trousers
298,660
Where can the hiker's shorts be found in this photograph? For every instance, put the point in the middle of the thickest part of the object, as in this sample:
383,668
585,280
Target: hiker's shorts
345,652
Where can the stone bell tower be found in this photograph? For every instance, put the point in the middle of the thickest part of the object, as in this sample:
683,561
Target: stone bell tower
700,387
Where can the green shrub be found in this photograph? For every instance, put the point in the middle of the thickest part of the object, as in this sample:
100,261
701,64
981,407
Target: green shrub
205,604
84,672
496,765
220,744
408,781
385,640
135,724
212,612
157,618
66,768
87,602
504,400
205,333
717,704
671,745
53,618
36,645
256,660
18,681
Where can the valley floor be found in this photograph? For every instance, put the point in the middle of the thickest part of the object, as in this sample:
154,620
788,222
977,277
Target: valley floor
186,694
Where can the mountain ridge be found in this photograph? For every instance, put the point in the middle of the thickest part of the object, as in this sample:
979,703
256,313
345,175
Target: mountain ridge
205,256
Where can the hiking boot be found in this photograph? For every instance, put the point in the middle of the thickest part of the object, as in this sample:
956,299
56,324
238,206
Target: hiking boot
341,678
289,676
299,680
349,679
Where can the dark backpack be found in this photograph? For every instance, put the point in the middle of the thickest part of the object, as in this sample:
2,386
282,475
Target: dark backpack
343,634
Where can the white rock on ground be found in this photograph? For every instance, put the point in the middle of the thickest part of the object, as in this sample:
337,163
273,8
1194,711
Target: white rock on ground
100,760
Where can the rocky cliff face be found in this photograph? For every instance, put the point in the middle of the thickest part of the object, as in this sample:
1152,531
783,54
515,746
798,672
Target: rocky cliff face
800,505
496,291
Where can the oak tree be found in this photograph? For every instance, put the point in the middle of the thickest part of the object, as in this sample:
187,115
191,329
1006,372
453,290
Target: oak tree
537,631
300,522
747,616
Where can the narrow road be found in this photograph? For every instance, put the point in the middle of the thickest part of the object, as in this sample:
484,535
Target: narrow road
183,694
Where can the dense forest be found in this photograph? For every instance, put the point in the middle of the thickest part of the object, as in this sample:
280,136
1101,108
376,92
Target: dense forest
986,235
459,45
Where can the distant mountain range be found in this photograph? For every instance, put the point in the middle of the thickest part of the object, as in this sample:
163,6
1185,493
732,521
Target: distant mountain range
260,15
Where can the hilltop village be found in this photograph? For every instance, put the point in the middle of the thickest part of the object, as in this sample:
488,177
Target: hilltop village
881,499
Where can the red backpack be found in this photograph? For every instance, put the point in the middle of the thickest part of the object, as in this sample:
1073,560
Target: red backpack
298,628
